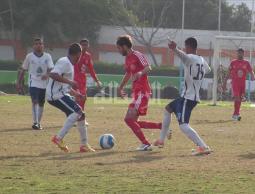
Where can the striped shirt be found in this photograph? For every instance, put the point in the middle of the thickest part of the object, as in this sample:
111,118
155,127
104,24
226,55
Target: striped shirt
135,62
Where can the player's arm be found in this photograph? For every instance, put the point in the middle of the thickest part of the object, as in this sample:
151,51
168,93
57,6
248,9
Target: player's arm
139,74
251,71
93,73
55,76
50,67
22,71
206,67
123,84
182,55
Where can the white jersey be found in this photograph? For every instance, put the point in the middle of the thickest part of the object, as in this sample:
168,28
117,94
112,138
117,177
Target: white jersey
195,68
56,90
37,67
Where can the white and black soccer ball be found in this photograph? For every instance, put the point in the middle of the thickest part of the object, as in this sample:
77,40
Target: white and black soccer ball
106,141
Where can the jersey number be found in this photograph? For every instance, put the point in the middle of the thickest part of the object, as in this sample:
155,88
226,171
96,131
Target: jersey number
200,72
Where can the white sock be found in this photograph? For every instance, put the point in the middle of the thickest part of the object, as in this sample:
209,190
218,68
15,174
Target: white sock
71,119
165,125
83,132
193,135
34,111
40,113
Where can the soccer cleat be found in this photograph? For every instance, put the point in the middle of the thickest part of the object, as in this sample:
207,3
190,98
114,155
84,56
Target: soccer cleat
35,126
86,148
144,147
201,151
40,126
236,117
59,143
159,143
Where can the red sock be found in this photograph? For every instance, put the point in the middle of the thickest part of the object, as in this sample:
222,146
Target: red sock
149,125
237,107
137,130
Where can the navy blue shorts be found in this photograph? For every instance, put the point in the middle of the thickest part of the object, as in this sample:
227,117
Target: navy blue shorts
37,95
67,105
182,108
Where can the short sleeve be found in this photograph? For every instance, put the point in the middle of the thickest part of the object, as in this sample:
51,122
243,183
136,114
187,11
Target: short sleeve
142,59
206,66
50,62
60,68
25,64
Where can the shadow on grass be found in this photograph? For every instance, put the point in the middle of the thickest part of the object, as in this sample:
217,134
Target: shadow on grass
211,122
28,129
248,156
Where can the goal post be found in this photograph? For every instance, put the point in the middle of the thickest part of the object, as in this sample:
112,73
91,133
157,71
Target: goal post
224,51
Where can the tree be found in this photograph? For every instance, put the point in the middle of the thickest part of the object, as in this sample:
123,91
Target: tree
136,22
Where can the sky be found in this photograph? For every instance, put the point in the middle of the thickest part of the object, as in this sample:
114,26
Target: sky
248,2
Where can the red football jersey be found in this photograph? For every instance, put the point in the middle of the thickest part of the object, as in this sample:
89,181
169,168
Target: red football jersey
239,70
84,65
135,62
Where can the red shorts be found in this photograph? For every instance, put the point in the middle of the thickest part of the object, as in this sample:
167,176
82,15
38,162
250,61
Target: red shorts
140,102
238,89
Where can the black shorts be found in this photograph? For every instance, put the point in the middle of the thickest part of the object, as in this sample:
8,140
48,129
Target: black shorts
37,95
67,105
182,108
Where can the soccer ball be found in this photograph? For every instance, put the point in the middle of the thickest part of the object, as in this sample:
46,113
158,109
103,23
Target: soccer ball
106,141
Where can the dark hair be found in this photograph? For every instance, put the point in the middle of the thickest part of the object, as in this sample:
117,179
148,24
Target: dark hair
191,42
125,40
38,39
84,40
240,50
74,49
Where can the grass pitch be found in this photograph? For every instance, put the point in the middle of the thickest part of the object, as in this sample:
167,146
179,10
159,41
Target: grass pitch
30,163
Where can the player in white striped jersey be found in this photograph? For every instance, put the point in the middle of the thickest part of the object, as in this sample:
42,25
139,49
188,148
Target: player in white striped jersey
38,64
195,68
61,85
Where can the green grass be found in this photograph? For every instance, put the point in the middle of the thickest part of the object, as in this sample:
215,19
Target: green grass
31,164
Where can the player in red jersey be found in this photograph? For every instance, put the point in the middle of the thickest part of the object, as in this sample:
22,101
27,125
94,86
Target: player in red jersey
84,65
137,68
237,73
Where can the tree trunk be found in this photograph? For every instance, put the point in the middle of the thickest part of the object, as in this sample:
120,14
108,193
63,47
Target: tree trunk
150,52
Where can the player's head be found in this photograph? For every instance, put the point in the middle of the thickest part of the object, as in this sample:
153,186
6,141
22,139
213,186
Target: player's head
38,45
124,44
74,52
240,53
84,44
191,45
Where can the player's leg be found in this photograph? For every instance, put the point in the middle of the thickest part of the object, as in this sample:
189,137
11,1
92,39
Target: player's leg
82,102
41,102
237,95
183,118
82,128
34,99
142,107
69,107
165,129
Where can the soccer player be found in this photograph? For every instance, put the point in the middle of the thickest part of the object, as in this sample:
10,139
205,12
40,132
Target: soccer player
238,70
38,64
195,67
137,68
80,69
58,92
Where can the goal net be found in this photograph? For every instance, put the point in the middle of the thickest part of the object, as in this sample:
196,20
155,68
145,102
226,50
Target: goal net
225,50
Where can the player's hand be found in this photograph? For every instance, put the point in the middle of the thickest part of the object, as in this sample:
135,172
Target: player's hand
45,77
73,84
99,84
122,93
172,45
136,76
